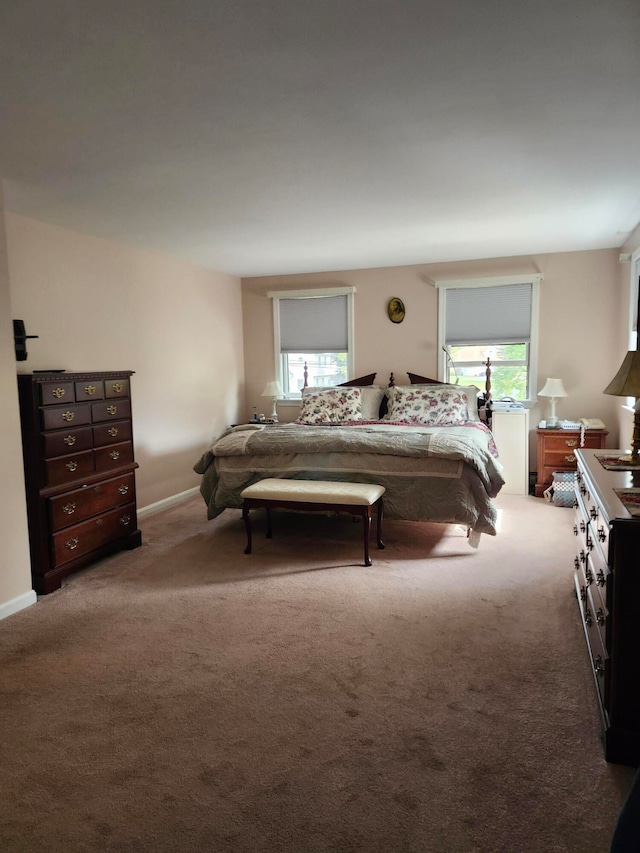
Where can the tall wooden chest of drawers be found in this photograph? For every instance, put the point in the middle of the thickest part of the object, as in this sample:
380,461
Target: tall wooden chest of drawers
79,468
607,581
557,452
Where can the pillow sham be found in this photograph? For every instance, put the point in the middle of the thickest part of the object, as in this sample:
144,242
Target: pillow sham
470,391
371,399
432,405
331,406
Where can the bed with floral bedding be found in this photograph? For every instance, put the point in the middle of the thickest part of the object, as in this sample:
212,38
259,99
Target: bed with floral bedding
435,458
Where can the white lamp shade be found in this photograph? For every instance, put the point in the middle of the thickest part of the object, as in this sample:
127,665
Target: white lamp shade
553,388
272,389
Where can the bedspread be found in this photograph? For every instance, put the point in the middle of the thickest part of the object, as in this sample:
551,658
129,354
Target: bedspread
446,474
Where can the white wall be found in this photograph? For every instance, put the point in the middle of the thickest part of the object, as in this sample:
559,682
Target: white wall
99,305
15,571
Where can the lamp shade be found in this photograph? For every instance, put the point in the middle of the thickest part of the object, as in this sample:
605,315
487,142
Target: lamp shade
272,389
553,388
626,382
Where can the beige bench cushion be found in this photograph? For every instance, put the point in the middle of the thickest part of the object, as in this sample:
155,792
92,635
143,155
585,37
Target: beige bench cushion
315,491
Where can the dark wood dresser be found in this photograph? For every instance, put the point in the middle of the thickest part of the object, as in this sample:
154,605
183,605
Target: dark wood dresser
607,580
79,470
557,452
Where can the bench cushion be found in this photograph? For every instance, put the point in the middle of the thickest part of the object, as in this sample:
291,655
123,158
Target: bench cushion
315,491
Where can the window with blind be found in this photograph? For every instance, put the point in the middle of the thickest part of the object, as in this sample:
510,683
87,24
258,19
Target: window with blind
492,319
313,331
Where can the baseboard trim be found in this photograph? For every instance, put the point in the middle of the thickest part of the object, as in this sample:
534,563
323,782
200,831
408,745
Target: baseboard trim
150,509
16,604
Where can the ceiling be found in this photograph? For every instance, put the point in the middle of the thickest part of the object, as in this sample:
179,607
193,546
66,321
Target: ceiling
290,136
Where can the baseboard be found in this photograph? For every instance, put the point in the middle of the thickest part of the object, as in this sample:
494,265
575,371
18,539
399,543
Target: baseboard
144,511
17,604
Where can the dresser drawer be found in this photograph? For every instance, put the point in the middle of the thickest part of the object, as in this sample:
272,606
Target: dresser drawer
65,416
91,390
597,652
116,388
110,410
111,433
68,469
79,504
113,456
81,539
52,393
67,441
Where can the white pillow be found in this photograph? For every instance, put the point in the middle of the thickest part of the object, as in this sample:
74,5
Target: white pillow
331,406
371,396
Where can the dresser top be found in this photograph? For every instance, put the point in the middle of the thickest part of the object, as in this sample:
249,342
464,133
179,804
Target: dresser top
73,377
603,482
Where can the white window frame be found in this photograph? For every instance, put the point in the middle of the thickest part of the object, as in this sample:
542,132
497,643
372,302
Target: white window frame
534,280
313,293
633,299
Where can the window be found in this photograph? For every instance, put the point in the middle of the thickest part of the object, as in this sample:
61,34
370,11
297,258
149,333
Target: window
492,318
312,328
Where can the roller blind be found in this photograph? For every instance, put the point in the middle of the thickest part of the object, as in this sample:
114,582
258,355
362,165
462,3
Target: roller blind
495,315
318,324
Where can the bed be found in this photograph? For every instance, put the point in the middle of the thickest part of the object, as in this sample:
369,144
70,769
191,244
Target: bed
436,459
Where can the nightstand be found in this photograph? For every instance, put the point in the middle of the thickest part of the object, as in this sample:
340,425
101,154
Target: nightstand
556,452
511,435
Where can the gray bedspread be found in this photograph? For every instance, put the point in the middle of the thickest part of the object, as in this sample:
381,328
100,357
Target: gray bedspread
444,474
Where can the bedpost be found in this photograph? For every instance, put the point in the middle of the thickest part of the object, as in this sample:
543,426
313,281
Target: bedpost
392,381
487,382
306,375
487,392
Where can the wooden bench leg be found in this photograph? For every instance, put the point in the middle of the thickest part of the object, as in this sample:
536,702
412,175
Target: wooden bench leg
379,529
247,524
366,528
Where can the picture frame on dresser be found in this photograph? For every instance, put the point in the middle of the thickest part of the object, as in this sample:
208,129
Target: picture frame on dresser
79,467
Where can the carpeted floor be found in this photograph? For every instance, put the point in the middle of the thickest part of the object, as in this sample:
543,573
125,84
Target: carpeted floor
187,697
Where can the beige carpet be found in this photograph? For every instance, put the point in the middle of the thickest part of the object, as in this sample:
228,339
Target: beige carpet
186,697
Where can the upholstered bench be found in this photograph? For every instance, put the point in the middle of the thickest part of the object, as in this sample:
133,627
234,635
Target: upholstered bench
315,496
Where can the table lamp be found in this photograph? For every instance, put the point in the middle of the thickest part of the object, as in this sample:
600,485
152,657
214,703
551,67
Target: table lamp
553,388
273,389
626,383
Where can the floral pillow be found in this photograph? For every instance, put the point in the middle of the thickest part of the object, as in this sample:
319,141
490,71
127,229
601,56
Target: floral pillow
331,407
432,405
371,397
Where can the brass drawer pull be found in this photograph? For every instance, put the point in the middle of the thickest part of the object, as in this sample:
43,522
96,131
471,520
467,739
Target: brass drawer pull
113,431
600,578
583,525
70,440
593,512
59,392
600,616
68,416
583,594
575,529
69,509
598,665
602,534
112,409
571,442
89,390
115,454
583,557
71,466
123,489
99,522
588,575
588,618
576,563
125,519
72,544
117,387
570,458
